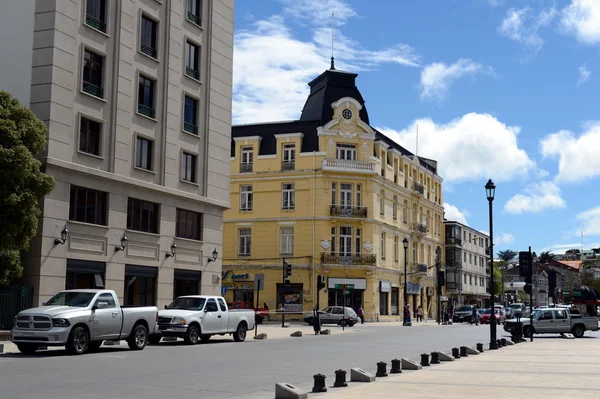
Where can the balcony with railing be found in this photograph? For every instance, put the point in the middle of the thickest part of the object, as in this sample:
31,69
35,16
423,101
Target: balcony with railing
190,127
288,165
453,241
420,268
148,50
146,110
420,228
92,89
246,167
194,18
347,165
345,211
418,188
95,23
337,258
192,73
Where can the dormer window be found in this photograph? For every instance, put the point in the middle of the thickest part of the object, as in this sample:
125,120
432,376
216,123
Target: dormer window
289,157
247,160
346,151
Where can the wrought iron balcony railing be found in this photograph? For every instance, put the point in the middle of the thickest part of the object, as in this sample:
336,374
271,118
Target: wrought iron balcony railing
348,211
190,128
420,228
95,23
146,110
288,165
92,89
192,73
148,50
418,187
246,167
338,258
194,18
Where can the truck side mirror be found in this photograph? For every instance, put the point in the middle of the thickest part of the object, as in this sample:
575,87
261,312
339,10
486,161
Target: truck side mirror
100,305
165,306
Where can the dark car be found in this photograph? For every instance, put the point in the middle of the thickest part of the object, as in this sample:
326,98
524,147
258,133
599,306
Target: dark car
463,313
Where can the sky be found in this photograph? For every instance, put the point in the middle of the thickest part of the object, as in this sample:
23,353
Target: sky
500,89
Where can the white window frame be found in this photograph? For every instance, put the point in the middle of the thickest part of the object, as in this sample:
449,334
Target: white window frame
346,151
382,203
288,196
396,248
286,241
346,195
345,241
247,156
395,208
246,198
358,196
382,246
244,242
289,152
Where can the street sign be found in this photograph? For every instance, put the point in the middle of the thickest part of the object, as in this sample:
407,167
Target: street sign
259,282
223,290
344,286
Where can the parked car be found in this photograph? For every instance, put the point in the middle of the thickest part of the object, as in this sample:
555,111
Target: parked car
261,313
555,320
81,320
463,313
340,315
517,308
510,313
199,317
498,314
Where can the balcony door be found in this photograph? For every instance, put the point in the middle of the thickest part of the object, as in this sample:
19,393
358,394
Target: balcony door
346,199
345,245
346,152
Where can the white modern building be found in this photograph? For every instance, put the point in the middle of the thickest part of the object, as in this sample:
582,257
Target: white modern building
467,264
137,98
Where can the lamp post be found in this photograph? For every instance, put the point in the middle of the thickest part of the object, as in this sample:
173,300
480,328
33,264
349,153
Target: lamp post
406,315
490,190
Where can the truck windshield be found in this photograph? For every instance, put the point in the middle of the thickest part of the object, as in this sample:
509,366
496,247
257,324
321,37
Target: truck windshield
74,299
536,313
184,303
465,309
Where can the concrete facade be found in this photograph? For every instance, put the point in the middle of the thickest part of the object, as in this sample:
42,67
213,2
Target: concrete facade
62,34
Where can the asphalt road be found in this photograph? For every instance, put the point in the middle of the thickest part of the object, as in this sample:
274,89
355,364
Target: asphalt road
221,368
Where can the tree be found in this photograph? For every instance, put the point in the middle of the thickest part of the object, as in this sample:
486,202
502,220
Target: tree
498,267
507,255
23,184
546,257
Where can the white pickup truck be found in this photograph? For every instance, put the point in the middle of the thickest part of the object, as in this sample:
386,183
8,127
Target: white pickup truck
81,320
198,317
552,321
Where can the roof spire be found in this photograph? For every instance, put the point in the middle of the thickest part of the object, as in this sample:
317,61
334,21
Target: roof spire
332,30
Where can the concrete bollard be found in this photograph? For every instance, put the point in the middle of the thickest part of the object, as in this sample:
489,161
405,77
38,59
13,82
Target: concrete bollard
463,351
319,383
340,379
296,334
284,390
381,369
424,359
480,347
435,358
455,353
261,336
396,366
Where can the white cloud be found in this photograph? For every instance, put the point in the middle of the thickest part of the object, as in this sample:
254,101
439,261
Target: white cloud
537,197
584,74
451,212
271,66
436,78
495,3
523,25
562,248
472,147
591,221
578,158
581,18
504,239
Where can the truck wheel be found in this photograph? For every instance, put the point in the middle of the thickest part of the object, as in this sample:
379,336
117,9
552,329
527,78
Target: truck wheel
78,341
27,349
138,338
342,323
154,339
578,331
205,338
191,335
240,333
94,346
527,331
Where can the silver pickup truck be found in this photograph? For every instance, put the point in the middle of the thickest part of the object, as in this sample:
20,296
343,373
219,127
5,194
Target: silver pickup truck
554,321
81,320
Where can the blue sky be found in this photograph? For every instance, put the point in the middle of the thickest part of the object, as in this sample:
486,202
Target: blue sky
501,89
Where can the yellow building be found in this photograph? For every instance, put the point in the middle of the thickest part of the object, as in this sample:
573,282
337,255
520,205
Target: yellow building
334,197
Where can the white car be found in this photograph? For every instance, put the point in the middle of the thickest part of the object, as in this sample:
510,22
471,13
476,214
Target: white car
198,317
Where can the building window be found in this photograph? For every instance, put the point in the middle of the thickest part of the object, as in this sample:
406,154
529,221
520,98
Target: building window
395,208
333,194
143,153
142,216
146,96
346,195
287,241
288,196
465,256
95,14
194,11
247,160
346,151
382,246
93,67
188,167
333,240
395,300
188,225
140,285
470,258
358,243
89,136
246,198
481,281
383,303
396,248
470,280
345,241
465,278
382,203
192,60
88,206
289,157
186,282
405,212
190,115
149,37
358,196
244,242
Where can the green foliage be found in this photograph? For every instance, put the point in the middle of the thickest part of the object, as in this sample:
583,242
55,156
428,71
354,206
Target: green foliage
546,257
498,267
507,255
23,184
587,278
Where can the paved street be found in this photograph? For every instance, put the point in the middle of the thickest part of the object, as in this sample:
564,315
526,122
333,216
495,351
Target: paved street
221,368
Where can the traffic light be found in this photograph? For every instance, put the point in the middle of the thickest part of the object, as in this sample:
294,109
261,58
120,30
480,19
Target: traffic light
525,264
552,283
287,270
441,278
320,282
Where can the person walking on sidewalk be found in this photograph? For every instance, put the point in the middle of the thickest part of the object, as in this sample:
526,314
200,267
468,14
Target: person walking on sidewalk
475,316
419,314
361,314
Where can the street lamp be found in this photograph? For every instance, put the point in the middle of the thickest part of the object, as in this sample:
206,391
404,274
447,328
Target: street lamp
123,245
406,315
490,190
215,253
64,236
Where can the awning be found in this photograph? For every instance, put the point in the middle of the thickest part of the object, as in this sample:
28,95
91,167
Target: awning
586,295
444,298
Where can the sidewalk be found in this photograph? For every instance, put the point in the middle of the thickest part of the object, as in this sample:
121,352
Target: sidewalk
548,367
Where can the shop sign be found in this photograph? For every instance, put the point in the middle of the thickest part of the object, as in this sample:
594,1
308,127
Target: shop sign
385,286
413,289
234,276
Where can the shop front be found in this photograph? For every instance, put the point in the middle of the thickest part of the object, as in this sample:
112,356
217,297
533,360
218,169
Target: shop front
238,287
353,297
186,282
385,289
140,285
82,274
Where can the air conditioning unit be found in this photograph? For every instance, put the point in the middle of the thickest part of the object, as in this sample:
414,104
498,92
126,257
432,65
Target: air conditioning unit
429,291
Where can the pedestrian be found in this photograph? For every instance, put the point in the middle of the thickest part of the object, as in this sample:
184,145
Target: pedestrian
419,314
361,314
475,316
